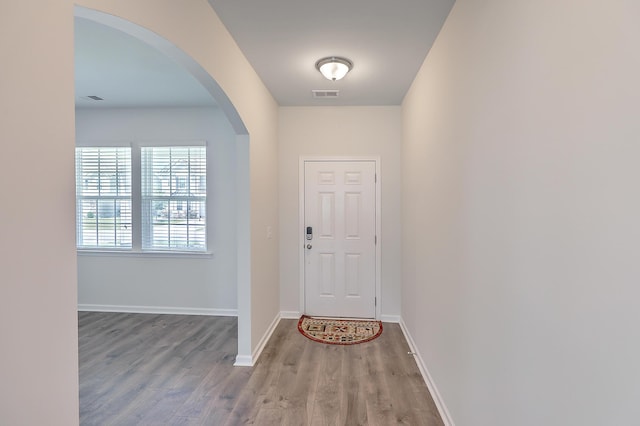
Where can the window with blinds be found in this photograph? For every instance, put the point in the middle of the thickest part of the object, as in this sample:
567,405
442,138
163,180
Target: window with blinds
174,195
103,197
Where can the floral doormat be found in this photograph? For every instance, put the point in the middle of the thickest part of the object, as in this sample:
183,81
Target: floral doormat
339,331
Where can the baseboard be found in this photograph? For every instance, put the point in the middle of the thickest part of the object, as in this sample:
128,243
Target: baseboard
265,338
171,310
390,318
442,408
290,314
249,361
243,361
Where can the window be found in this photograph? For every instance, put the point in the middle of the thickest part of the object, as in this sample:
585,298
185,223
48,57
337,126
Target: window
103,197
174,199
161,206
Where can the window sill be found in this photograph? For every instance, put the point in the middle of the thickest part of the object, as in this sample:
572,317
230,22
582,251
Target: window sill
145,253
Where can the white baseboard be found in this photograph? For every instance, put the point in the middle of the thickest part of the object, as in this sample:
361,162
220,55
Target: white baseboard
390,318
250,360
172,310
290,314
243,361
442,408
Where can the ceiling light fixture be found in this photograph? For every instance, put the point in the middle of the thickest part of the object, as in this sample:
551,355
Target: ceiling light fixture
334,68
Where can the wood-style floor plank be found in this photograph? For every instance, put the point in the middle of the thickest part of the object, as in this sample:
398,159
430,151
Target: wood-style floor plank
146,369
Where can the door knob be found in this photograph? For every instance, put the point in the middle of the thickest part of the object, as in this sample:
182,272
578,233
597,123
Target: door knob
309,246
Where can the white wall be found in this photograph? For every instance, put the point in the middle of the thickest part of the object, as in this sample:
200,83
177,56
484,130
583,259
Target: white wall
340,131
520,209
38,322
196,284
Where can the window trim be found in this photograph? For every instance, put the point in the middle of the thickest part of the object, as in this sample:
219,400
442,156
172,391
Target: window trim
83,194
175,195
136,249
144,253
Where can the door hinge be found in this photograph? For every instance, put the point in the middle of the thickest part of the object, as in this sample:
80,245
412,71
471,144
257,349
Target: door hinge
375,239
375,178
375,301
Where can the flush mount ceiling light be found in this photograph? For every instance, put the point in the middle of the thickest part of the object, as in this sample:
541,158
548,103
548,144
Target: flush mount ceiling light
333,67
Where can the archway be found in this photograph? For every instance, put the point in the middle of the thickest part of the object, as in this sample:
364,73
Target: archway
242,198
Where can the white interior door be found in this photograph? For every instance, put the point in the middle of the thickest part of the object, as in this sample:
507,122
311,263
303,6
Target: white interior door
340,238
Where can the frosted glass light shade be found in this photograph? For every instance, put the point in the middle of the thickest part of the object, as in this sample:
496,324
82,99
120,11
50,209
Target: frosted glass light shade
334,68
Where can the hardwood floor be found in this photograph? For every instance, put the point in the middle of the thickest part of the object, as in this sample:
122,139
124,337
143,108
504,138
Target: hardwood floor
178,370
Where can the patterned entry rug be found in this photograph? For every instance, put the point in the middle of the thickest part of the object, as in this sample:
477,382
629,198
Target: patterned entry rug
339,331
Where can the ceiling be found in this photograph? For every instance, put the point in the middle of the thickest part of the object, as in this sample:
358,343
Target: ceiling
387,41
282,39
128,73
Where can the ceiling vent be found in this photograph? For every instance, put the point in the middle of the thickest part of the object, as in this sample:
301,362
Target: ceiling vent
94,98
325,94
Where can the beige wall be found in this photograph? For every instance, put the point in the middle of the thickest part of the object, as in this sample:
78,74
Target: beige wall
520,244
38,314
340,131
38,323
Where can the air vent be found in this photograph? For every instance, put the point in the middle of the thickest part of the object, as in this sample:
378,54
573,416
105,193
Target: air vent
94,98
325,94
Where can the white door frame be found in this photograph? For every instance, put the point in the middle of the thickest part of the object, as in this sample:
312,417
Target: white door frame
301,224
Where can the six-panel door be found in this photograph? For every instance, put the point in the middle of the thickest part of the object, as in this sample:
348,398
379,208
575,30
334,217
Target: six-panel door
340,257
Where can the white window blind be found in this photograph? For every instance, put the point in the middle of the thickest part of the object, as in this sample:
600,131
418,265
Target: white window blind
174,195
103,197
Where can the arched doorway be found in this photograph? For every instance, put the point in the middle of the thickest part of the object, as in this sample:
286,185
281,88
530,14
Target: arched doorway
242,195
